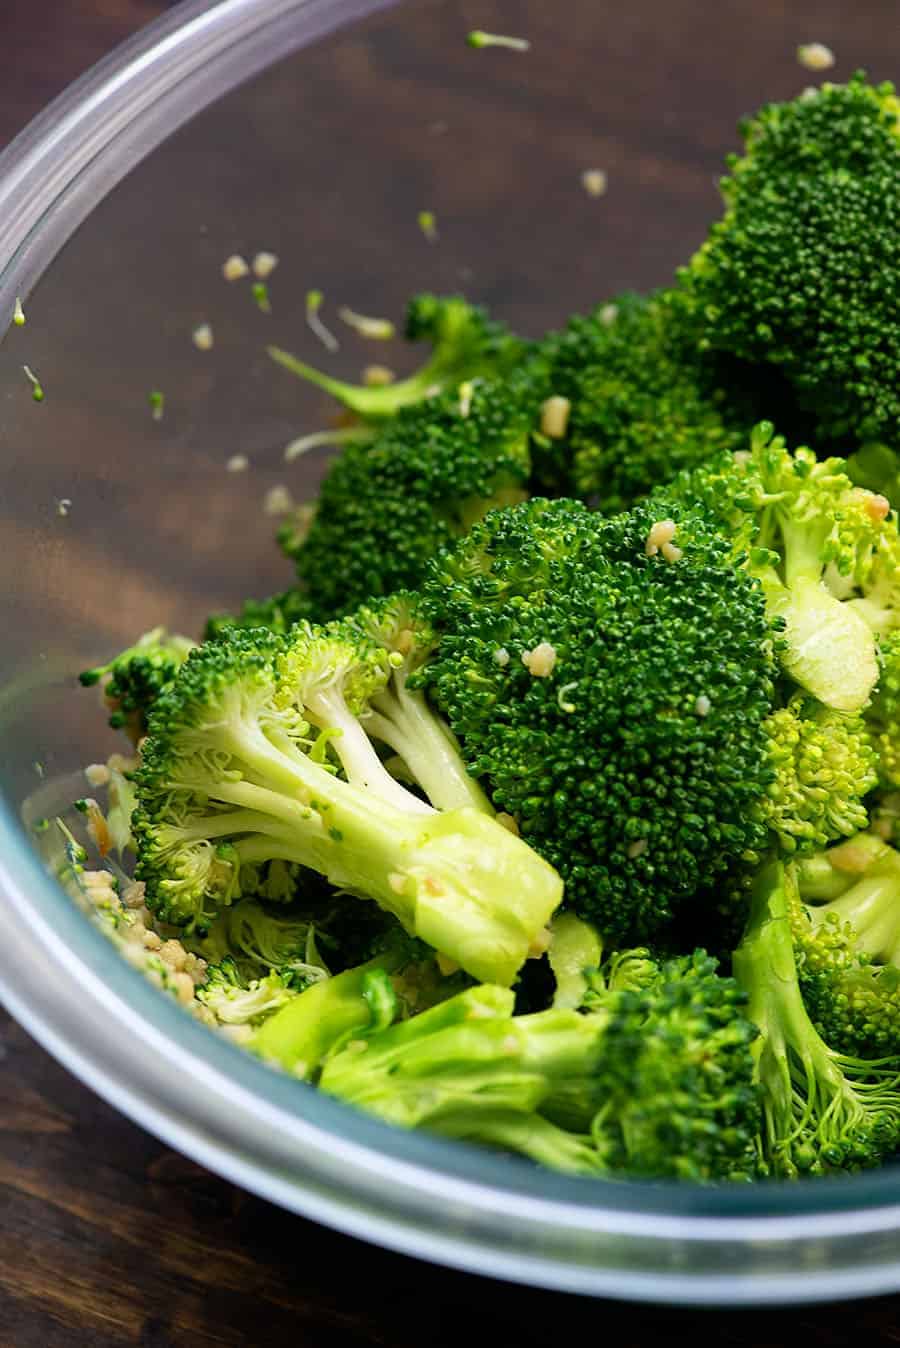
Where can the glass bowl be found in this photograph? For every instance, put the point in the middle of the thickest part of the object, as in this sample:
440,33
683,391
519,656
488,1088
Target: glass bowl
319,129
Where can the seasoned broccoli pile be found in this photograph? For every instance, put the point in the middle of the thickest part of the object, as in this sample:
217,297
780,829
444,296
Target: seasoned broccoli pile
555,805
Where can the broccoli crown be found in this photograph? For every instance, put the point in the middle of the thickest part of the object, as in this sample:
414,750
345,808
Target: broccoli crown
236,1000
824,766
279,613
135,678
387,507
826,552
883,713
258,941
679,1071
467,344
822,1109
802,269
656,1080
611,694
258,754
645,404
848,949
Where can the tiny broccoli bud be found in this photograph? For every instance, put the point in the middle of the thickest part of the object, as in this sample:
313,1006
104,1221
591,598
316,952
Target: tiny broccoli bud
314,299
157,403
479,39
260,292
18,313
37,391
376,329
428,225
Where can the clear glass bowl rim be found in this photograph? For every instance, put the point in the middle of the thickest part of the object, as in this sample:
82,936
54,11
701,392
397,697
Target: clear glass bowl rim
66,985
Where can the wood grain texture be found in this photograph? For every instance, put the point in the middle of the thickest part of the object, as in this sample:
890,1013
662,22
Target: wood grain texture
106,1237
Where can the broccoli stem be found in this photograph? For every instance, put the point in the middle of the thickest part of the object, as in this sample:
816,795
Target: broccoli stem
827,875
830,651
377,403
457,879
358,758
302,1033
529,1135
816,1116
403,720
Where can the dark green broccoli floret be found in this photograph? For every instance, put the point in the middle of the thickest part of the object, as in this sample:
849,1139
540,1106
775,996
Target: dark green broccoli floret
826,552
278,614
467,345
802,271
258,753
847,941
134,679
387,507
611,692
822,1109
645,404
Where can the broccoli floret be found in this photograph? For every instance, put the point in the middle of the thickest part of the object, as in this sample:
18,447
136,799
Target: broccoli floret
233,1000
279,613
385,509
848,947
883,713
467,345
257,753
802,270
134,679
258,941
822,1109
826,553
824,766
611,694
645,404
655,1082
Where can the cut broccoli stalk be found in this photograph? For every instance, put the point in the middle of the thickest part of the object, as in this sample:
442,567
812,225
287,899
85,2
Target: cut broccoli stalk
575,946
234,775
468,1069
830,650
822,1110
301,1035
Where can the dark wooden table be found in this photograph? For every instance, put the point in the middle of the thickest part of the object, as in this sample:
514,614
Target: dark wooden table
108,1238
